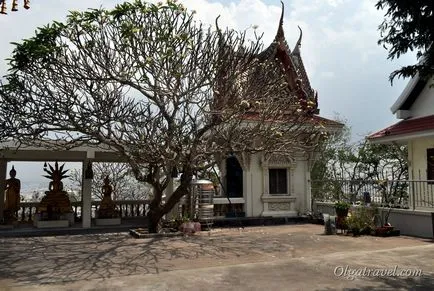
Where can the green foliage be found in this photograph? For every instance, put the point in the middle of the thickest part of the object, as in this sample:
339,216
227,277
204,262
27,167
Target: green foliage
47,43
361,220
335,147
342,164
409,26
42,47
342,205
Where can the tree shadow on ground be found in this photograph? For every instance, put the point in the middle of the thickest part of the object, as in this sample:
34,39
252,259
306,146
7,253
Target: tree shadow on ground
46,260
61,259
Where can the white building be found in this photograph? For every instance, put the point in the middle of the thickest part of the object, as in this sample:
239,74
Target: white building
415,106
272,185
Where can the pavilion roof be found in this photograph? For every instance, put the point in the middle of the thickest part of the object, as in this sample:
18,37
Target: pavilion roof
13,150
311,120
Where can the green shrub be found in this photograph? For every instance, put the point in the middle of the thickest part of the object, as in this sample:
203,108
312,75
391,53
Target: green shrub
361,221
341,205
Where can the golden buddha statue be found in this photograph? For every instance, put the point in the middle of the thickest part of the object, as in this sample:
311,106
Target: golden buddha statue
12,194
56,201
107,208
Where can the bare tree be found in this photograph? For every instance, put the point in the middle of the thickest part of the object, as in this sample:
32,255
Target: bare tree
157,87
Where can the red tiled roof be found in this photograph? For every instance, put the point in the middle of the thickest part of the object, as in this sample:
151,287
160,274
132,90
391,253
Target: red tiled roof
405,127
327,121
313,119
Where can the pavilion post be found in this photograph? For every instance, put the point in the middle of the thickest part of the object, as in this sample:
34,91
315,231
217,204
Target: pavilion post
3,169
86,195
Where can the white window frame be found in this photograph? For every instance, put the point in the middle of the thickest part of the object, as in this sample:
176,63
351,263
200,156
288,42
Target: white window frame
288,164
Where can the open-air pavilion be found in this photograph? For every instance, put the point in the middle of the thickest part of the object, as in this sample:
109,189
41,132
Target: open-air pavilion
86,155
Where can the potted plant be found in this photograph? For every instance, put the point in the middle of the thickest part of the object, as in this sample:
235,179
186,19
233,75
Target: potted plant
361,221
384,228
354,225
341,208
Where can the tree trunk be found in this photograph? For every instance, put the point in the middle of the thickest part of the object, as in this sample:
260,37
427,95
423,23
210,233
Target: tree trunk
154,217
157,210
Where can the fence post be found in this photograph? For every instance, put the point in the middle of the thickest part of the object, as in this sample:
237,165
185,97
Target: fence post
413,195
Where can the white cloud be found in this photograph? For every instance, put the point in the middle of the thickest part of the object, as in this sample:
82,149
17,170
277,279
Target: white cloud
327,75
334,3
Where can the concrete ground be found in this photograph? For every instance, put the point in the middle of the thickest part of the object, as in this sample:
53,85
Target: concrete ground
289,257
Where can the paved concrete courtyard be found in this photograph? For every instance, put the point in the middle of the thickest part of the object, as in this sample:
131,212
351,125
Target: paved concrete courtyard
288,257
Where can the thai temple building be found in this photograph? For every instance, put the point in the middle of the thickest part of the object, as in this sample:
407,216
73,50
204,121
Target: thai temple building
273,185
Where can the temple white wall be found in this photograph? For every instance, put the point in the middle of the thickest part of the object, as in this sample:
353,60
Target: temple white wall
256,195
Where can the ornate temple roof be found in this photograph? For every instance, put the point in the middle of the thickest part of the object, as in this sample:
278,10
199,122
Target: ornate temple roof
291,64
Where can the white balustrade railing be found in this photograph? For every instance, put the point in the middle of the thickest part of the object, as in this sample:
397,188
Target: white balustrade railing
127,208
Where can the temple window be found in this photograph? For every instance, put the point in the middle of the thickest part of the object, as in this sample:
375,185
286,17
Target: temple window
278,181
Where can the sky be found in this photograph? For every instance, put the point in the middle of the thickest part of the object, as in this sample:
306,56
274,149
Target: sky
339,47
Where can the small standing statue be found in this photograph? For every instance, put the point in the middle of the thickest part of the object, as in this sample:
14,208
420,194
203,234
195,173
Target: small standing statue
108,207
12,193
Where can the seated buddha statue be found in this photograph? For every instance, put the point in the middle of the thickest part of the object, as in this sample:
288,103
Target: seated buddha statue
56,201
107,208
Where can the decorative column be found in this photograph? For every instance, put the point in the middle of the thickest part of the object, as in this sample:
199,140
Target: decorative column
3,170
308,206
86,190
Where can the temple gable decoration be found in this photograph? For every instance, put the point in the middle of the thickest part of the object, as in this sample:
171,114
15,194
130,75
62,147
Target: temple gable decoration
291,64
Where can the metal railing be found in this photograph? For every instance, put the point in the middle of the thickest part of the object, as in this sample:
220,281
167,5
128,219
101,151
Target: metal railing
388,193
127,208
